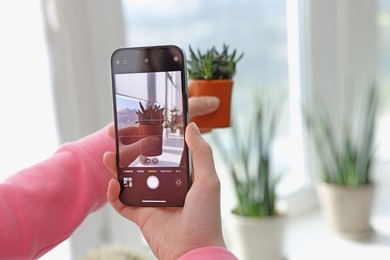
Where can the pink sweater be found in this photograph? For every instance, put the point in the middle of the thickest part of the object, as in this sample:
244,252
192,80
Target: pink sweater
42,205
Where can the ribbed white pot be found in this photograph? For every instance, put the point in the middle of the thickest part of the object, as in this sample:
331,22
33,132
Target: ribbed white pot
347,210
256,238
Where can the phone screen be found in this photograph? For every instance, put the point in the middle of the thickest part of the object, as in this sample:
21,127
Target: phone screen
151,114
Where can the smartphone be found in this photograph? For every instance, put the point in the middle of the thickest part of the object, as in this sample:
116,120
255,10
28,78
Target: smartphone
150,102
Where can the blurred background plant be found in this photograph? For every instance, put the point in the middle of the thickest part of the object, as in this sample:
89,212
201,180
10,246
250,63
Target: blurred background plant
346,156
247,155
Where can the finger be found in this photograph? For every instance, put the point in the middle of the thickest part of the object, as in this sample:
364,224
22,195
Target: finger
111,131
139,215
128,153
202,105
113,191
202,156
128,139
128,131
128,135
109,160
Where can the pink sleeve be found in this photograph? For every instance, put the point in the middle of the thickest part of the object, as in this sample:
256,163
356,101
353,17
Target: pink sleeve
209,253
41,206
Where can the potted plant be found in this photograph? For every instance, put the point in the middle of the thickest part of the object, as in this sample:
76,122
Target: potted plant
175,123
346,159
211,74
150,120
256,225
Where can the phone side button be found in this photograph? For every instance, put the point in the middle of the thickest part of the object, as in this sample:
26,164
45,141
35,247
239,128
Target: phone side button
152,182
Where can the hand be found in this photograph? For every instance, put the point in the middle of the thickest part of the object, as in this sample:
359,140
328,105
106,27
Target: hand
130,145
171,232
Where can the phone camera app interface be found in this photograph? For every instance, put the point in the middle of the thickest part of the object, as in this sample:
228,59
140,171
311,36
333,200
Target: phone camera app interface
150,135
150,117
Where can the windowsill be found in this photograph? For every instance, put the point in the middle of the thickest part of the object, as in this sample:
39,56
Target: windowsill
309,238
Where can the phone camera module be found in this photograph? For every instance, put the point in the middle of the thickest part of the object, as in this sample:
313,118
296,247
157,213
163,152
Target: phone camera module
175,59
117,61
146,60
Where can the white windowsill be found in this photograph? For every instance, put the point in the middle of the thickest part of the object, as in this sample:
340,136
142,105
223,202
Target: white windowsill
309,238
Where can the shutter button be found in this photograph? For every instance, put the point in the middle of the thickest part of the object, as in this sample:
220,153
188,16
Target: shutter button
152,182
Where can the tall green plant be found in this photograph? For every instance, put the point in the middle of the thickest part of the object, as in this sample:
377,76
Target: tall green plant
347,160
247,155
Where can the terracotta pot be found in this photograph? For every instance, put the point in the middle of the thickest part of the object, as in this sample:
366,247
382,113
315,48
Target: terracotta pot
256,238
151,130
347,210
218,88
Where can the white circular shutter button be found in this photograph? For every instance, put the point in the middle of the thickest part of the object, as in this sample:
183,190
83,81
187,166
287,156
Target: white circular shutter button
152,182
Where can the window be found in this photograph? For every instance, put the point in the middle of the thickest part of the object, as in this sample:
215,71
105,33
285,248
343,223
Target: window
28,132
257,28
383,28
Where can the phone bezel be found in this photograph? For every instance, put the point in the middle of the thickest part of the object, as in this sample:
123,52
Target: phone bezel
160,59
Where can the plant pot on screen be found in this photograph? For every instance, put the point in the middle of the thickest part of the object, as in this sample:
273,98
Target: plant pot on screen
211,74
150,122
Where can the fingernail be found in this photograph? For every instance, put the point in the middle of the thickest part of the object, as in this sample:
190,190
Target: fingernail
155,140
213,102
195,128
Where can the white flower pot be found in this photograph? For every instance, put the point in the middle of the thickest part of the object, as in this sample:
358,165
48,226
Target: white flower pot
347,210
256,238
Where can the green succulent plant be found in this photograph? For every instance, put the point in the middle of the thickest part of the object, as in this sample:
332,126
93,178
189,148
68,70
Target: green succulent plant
247,154
213,64
150,114
345,158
